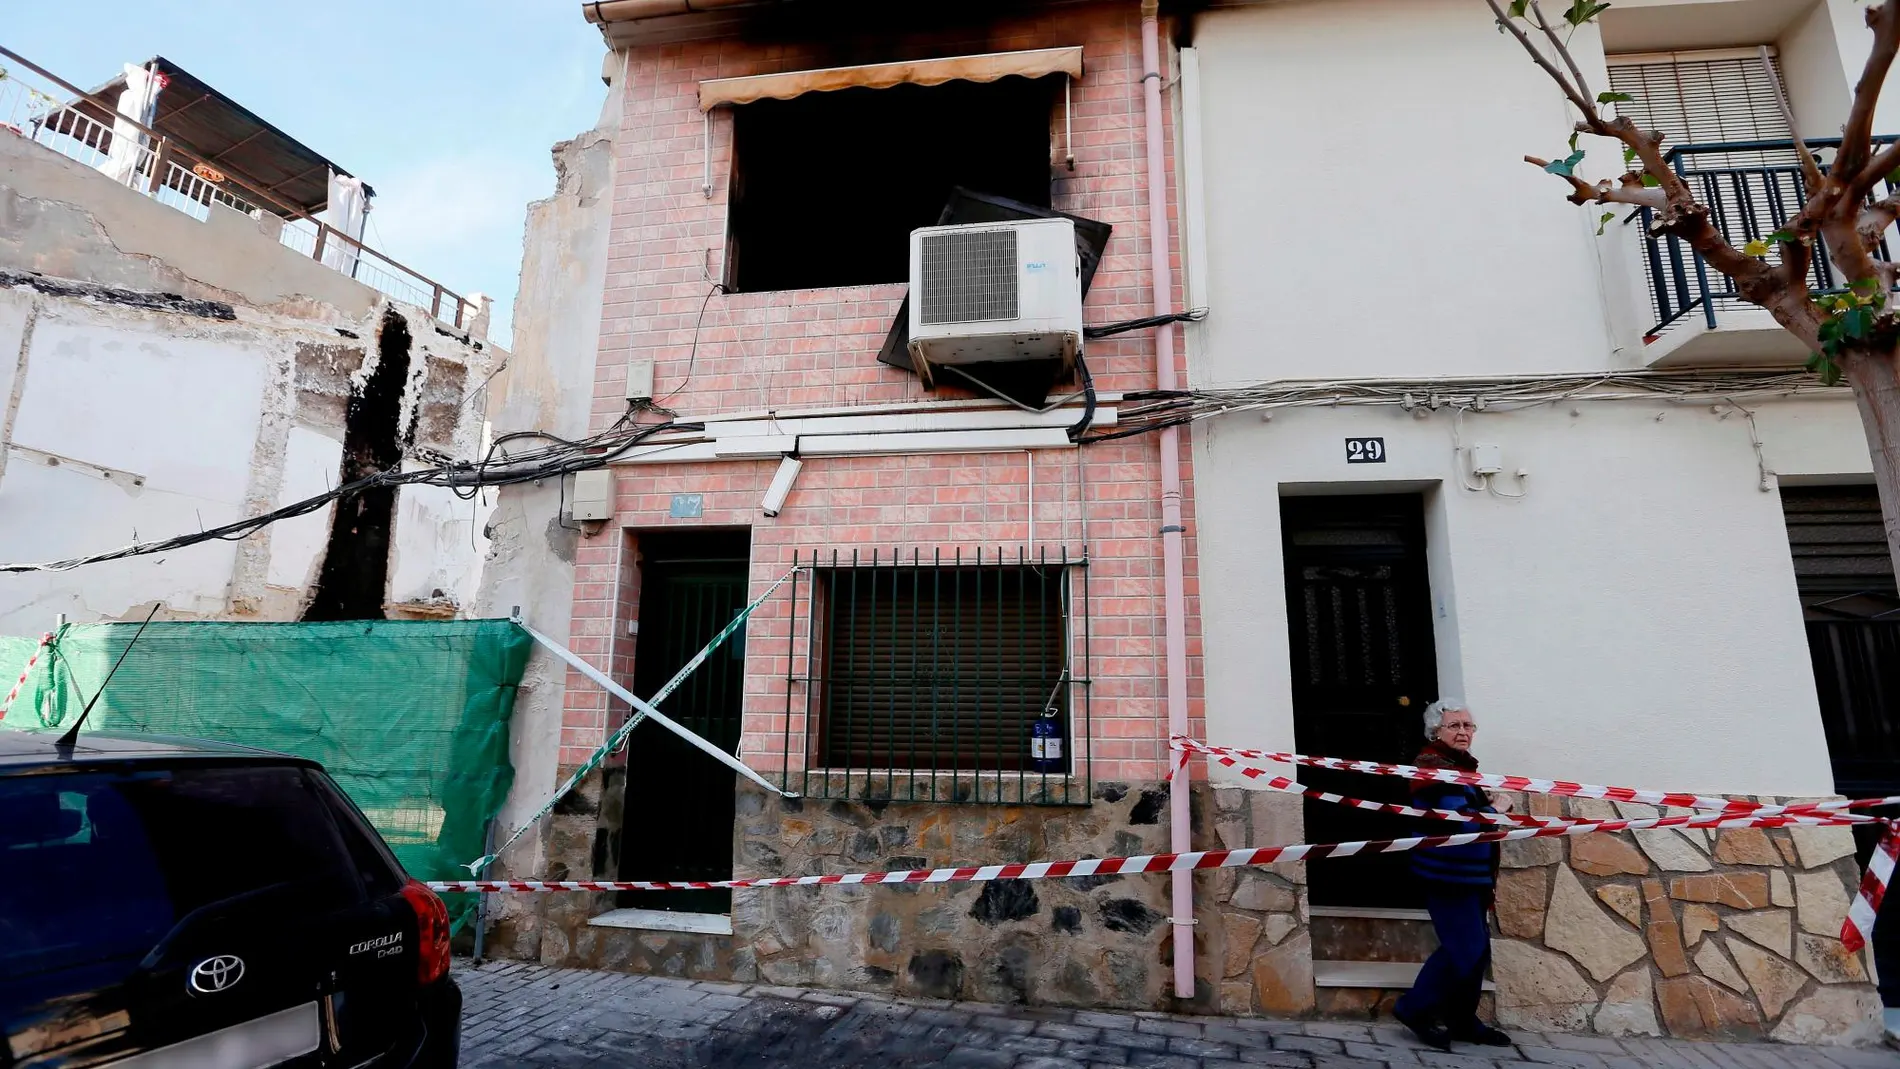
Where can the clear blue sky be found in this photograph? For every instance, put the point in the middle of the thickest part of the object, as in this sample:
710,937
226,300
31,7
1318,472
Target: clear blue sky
447,108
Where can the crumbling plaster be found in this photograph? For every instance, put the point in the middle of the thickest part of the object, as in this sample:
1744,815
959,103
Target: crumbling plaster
217,410
59,217
548,384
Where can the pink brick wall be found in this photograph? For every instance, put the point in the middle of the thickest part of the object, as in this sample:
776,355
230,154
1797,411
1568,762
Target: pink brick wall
808,348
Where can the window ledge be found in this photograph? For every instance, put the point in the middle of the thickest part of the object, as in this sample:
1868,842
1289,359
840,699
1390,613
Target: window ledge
942,788
659,920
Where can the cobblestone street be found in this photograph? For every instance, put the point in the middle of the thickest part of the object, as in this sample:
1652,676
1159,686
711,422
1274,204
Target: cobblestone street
526,1015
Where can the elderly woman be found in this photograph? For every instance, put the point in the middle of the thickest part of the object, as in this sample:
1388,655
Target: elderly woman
1442,1005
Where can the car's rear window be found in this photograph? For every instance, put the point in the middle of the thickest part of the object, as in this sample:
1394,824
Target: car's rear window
102,865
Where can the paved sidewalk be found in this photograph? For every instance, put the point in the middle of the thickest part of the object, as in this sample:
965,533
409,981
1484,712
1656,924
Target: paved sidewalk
526,1015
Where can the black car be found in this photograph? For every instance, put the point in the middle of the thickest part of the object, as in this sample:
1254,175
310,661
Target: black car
170,902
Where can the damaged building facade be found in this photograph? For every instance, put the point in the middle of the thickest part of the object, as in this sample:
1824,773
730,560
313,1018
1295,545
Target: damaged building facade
180,350
960,583
962,567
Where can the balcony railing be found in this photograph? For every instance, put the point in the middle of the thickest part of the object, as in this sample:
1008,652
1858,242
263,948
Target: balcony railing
1753,189
42,107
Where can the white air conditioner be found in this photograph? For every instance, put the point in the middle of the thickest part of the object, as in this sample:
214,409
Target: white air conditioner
986,292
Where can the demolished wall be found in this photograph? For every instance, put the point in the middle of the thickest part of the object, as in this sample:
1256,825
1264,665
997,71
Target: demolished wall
548,384
162,375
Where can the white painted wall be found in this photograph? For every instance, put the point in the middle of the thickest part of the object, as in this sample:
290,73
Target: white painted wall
1853,42
439,545
1367,214
312,460
1633,621
172,399
205,413
1369,210
1818,83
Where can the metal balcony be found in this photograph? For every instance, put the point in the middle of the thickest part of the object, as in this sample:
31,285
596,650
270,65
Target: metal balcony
1753,189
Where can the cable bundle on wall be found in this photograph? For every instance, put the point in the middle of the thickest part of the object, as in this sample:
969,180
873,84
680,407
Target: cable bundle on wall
497,468
1149,411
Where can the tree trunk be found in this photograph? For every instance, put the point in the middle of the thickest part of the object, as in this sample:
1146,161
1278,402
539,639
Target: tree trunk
1876,381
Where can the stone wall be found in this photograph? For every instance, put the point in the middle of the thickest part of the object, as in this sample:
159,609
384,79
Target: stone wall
1704,934
1082,941
1253,941
1729,934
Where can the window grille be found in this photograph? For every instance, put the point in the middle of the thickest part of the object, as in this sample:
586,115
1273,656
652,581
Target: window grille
938,677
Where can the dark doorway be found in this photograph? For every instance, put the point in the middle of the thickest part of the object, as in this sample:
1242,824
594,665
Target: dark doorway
1364,667
1844,576
679,813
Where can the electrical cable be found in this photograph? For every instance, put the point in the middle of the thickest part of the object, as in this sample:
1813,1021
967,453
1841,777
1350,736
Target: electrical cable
595,451
1081,426
1008,400
1138,414
1151,410
692,355
1107,330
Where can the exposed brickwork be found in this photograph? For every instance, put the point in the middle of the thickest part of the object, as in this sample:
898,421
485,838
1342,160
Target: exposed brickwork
803,349
808,348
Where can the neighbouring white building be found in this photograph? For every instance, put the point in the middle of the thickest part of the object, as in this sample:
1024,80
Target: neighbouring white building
190,335
1623,581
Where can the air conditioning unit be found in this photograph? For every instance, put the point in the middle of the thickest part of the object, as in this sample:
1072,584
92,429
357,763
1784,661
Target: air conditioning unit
995,292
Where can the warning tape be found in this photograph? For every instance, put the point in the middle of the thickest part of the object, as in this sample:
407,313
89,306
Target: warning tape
45,641
1179,862
619,737
1834,808
1235,757
1858,928
1288,786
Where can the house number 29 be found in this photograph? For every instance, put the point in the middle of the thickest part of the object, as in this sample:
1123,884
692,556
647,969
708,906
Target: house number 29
1365,450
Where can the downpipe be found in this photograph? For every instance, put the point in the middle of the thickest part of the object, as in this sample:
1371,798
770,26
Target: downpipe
1173,571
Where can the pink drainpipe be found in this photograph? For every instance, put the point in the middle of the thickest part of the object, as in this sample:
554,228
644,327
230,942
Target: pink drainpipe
1173,571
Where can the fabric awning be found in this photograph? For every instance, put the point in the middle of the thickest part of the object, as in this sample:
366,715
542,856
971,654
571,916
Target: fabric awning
985,68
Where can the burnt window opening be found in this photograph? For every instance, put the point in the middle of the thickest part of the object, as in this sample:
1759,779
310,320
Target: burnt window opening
826,187
355,573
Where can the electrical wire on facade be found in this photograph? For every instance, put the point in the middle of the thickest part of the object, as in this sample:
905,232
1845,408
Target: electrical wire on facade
1137,414
498,467
1152,410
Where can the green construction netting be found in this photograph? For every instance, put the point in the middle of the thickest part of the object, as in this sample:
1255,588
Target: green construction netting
409,716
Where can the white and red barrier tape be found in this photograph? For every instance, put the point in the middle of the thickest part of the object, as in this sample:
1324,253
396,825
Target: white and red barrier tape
1198,859
1237,758
1836,808
45,641
1855,930
1859,926
1717,813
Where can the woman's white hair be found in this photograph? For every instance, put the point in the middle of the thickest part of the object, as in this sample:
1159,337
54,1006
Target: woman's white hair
1435,713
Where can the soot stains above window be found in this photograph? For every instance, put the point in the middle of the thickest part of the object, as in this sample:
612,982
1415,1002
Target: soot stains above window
827,187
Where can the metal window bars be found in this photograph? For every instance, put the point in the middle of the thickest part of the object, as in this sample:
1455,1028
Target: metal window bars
1753,189
174,174
925,675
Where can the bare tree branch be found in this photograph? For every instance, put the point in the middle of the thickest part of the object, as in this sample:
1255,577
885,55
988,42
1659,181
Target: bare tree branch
1810,167
1628,190
1884,20
1583,103
1563,50
1883,164
1796,258
1877,218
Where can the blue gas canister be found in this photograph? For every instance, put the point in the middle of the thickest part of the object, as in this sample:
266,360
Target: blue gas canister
1045,743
